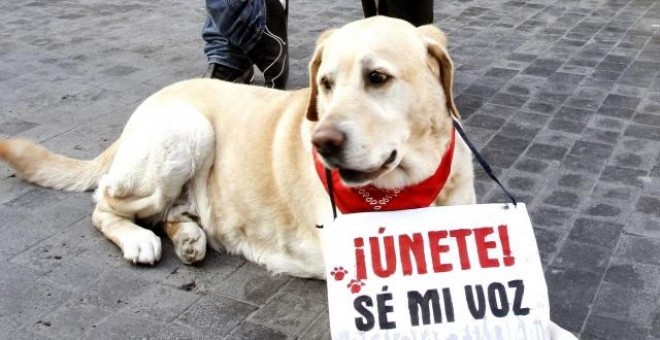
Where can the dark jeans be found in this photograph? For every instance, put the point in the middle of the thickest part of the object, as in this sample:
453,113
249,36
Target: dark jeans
232,28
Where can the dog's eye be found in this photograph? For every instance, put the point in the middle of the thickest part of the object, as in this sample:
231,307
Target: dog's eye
325,82
377,78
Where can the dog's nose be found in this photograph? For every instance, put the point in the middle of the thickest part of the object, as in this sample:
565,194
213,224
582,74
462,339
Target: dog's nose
328,140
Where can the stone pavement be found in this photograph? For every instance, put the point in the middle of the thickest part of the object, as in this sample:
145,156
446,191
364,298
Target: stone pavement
562,96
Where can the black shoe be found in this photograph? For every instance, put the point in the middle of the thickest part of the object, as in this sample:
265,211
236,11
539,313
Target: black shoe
271,53
222,72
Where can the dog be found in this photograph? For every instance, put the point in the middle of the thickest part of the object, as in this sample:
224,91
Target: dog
237,166
234,165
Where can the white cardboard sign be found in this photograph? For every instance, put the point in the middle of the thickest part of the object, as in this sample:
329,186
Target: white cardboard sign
457,272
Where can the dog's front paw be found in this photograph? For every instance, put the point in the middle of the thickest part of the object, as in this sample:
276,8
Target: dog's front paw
141,246
190,243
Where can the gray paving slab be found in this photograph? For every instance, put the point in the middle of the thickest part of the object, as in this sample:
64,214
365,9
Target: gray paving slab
563,97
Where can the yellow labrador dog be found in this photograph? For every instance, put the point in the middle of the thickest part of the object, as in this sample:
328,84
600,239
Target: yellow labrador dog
233,165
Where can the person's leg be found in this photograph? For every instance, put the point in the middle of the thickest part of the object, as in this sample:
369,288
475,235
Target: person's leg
370,8
416,12
226,61
258,29
271,52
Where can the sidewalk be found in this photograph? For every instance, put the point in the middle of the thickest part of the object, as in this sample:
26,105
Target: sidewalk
563,97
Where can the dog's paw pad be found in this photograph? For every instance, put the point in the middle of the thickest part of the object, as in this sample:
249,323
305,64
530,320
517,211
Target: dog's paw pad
190,243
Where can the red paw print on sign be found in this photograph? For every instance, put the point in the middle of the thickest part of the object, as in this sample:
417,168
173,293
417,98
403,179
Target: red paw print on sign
355,286
338,273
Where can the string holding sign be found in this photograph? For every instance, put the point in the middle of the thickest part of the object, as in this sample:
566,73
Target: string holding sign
482,161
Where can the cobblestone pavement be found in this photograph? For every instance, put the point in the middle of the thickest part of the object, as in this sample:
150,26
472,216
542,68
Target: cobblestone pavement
562,96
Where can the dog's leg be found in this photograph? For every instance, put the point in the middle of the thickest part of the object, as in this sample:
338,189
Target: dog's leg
164,146
185,232
188,238
139,245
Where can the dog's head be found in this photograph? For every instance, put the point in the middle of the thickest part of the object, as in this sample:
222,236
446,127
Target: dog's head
381,97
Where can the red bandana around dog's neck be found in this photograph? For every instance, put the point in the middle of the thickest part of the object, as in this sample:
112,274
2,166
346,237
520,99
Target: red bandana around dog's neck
370,198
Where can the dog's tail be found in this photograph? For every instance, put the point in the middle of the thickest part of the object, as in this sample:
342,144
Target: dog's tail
36,164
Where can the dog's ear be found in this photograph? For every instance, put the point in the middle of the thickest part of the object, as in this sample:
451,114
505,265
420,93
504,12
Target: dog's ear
314,65
440,62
